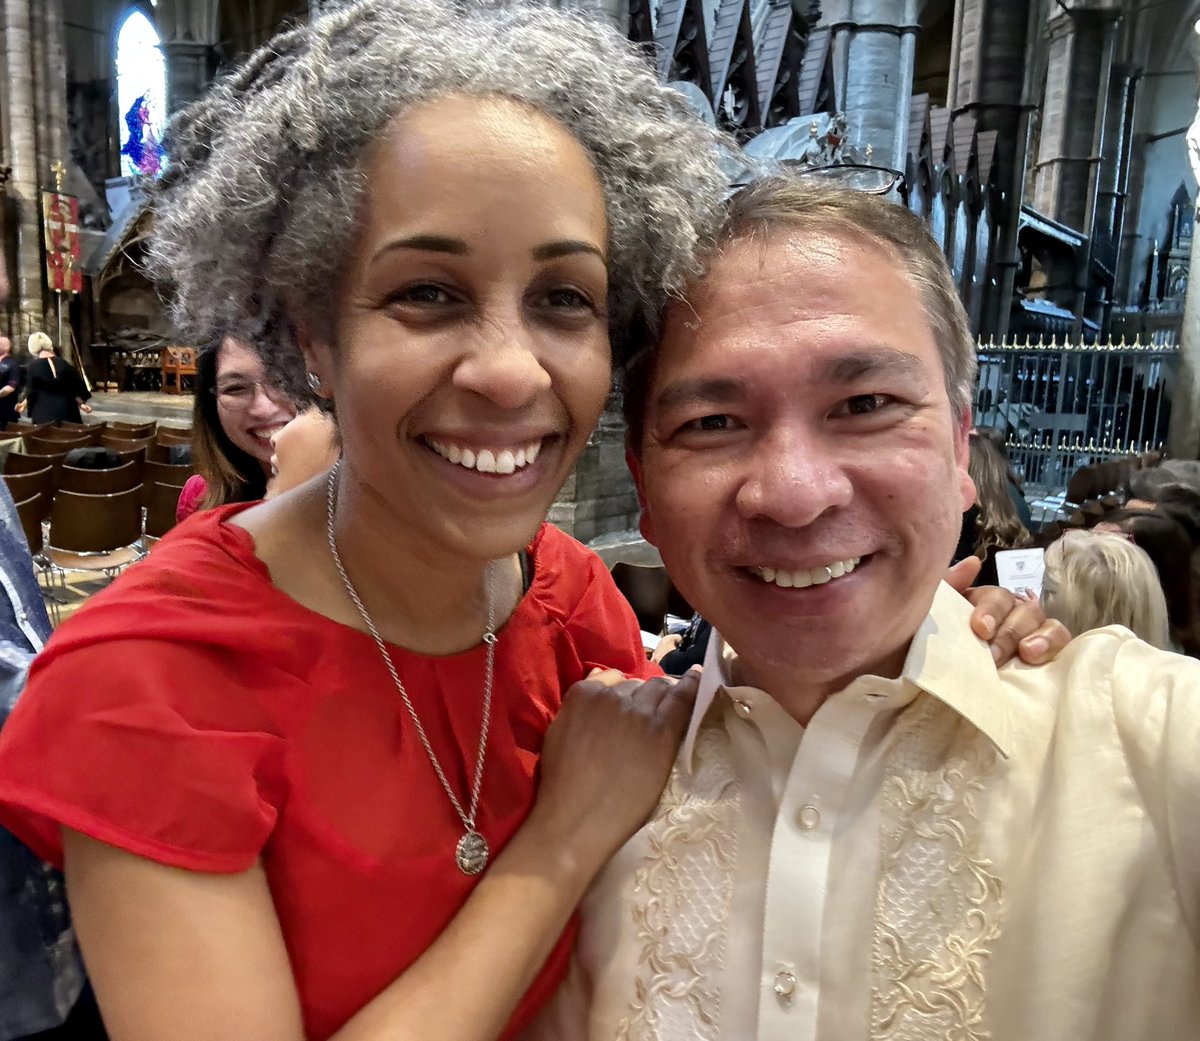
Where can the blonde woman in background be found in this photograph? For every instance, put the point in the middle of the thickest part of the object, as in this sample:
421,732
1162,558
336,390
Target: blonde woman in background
56,390
1094,579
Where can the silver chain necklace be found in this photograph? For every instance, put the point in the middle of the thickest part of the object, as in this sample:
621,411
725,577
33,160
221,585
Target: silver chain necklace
471,853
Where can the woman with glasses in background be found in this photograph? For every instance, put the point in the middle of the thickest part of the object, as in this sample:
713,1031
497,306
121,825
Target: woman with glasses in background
237,412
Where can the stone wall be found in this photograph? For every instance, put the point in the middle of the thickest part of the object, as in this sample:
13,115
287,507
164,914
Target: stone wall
598,498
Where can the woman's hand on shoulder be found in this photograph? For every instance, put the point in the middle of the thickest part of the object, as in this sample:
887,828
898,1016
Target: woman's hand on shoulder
607,757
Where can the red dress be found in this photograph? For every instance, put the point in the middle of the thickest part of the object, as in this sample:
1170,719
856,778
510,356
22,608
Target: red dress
195,715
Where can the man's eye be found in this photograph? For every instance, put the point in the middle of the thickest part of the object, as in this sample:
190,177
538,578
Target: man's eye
862,404
718,421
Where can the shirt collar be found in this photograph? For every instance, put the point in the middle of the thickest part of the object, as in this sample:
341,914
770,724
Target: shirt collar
946,660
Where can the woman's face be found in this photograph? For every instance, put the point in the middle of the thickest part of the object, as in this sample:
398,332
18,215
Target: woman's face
472,356
251,410
303,448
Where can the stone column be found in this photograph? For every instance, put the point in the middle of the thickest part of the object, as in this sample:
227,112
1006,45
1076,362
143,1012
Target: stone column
874,47
992,76
189,71
189,33
1183,438
1080,58
21,150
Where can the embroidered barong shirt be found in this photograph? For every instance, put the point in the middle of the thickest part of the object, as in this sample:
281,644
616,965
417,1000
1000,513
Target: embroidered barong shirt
960,853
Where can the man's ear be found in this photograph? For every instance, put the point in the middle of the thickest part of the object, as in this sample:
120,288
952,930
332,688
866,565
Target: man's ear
645,523
962,456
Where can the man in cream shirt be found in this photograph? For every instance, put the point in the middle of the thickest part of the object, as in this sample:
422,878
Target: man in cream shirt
871,832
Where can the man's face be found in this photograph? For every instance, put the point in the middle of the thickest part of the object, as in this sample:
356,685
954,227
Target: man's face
802,472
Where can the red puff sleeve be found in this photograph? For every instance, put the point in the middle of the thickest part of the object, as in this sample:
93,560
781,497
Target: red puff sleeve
156,744
600,626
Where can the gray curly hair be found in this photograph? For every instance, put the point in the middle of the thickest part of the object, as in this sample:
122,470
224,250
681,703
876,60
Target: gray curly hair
260,200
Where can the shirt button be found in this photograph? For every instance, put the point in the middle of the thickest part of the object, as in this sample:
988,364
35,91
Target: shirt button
785,986
742,708
808,817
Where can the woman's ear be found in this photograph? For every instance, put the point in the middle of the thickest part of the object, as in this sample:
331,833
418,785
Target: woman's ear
318,360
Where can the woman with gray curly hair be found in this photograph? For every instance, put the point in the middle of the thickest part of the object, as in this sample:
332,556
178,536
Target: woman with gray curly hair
278,755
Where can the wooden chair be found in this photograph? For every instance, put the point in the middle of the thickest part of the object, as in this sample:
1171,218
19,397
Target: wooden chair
132,431
29,510
123,444
27,462
162,473
161,500
167,437
92,430
35,484
95,532
100,482
647,589
30,513
73,435
37,445
156,453
177,362
127,455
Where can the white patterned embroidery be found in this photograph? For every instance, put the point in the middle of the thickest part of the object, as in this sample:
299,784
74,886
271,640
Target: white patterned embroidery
938,907
681,900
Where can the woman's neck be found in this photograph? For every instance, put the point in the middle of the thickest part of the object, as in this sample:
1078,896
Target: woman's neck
418,596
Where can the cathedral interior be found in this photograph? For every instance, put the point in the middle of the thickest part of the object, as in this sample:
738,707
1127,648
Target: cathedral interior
1043,140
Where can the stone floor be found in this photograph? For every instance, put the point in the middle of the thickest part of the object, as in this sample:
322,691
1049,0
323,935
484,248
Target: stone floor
139,406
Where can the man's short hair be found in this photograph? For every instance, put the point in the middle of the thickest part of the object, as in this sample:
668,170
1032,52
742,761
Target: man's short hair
796,202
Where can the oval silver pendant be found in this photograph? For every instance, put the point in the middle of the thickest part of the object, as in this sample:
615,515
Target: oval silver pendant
471,854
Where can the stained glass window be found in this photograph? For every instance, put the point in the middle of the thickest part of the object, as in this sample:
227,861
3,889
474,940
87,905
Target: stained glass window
141,94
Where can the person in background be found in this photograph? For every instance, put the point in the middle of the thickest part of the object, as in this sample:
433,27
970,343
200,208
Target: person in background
1016,486
237,411
1093,579
56,392
992,523
1166,542
10,382
307,446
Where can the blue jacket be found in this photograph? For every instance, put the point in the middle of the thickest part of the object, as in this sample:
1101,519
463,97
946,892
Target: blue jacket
41,974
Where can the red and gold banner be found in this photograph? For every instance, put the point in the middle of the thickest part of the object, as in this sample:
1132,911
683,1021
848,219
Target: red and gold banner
60,217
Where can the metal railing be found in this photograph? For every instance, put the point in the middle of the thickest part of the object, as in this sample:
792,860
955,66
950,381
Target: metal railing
1066,405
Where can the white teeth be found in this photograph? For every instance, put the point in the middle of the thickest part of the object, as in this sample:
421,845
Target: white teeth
803,579
486,460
